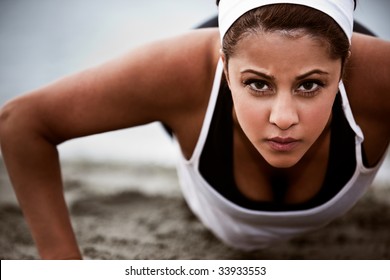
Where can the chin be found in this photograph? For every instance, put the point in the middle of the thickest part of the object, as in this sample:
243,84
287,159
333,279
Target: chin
282,161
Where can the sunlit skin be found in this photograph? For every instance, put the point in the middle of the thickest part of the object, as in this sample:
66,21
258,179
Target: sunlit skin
283,89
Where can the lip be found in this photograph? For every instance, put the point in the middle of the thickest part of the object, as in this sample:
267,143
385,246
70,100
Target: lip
281,144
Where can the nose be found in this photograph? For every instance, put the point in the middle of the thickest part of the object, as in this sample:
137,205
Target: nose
284,113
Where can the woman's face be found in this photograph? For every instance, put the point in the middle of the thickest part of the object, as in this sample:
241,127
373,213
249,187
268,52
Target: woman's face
283,89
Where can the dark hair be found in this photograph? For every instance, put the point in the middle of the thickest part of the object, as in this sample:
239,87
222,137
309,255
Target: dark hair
289,17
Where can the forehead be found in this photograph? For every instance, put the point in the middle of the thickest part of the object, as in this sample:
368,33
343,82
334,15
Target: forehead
280,40
286,46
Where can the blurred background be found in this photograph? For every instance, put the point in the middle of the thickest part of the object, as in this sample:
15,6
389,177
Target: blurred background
42,40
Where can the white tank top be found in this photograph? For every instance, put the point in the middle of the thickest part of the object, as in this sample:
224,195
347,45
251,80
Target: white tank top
252,229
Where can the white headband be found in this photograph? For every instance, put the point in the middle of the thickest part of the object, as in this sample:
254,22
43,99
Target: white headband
340,10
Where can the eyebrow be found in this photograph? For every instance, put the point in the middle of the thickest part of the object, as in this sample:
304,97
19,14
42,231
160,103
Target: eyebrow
314,71
272,78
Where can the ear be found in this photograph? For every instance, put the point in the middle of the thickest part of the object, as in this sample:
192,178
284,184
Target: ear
343,65
225,66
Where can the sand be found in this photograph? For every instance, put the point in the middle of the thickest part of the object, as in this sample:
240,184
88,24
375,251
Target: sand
136,211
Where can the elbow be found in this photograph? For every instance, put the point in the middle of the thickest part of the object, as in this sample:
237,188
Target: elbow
23,120
9,122
18,123
6,119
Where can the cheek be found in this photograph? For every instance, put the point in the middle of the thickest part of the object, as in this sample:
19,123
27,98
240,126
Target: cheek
313,123
251,115
314,118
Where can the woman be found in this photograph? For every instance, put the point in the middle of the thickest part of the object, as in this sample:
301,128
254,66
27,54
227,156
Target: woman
273,145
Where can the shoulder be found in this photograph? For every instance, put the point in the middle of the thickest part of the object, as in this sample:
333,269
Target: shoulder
367,83
181,68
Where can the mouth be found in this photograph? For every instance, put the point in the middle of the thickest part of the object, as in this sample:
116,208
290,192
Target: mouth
281,144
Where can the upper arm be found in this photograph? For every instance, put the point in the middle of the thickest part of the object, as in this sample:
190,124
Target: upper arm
153,83
368,74
368,86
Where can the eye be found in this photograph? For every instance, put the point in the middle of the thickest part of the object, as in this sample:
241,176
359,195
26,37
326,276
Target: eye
258,86
309,88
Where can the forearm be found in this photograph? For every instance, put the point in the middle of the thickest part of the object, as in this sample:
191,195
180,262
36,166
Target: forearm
33,166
